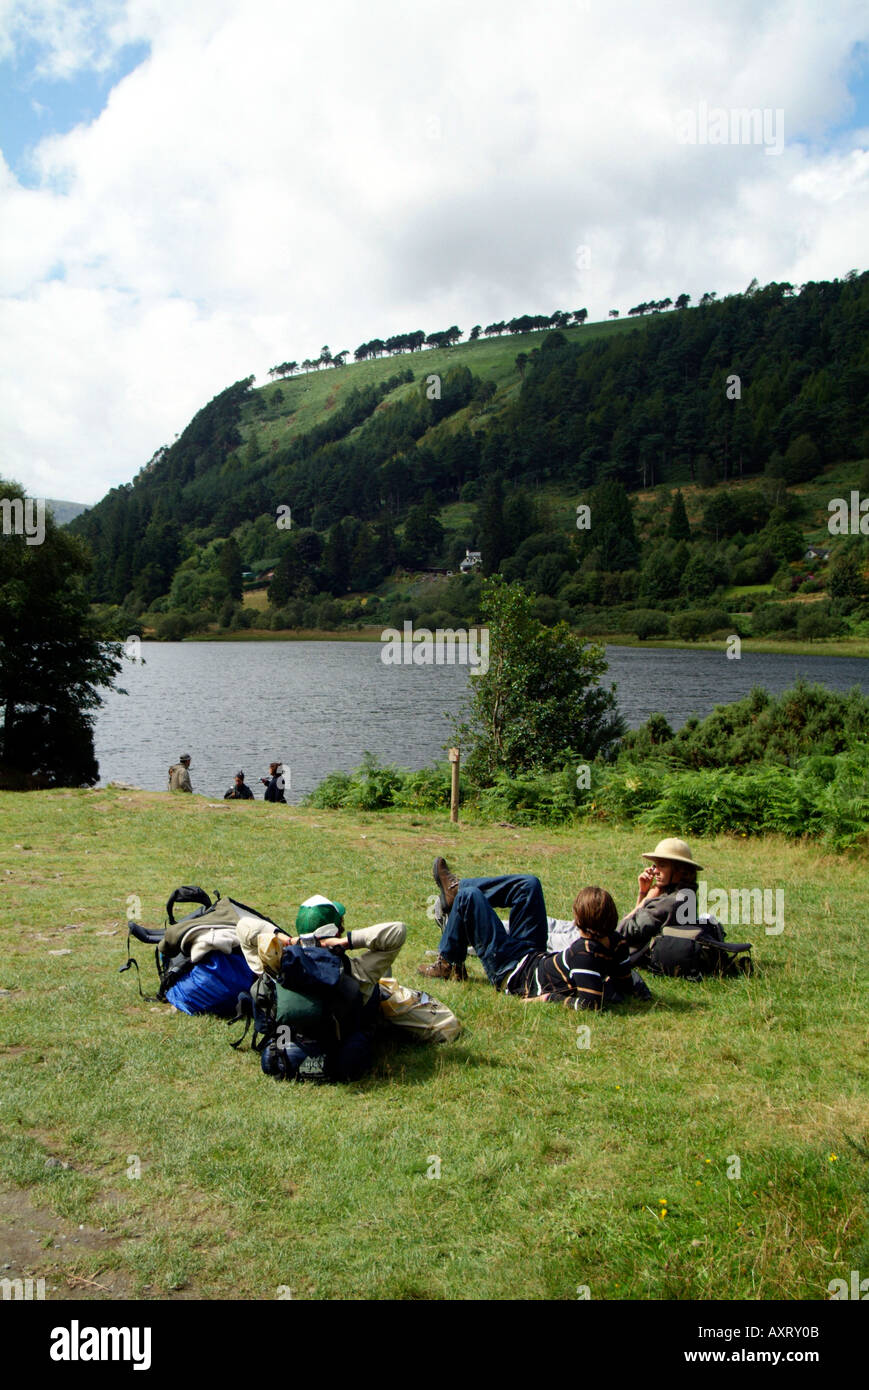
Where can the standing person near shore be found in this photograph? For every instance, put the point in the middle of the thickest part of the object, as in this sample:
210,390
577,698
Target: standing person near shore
274,783
179,775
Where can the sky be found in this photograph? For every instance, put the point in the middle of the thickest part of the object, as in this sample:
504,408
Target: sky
192,191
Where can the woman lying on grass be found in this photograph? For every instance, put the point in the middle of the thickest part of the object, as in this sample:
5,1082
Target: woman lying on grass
592,970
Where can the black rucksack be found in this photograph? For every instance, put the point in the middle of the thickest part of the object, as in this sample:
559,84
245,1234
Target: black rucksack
692,952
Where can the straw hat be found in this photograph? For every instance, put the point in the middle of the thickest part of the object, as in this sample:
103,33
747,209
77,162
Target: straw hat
676,851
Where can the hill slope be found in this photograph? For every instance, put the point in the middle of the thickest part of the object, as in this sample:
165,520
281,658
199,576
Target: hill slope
364,459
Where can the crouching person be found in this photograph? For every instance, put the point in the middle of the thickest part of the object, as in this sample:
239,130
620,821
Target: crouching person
589,972
316,1004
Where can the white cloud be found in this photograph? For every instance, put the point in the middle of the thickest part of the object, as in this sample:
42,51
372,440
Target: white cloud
275,177
69,36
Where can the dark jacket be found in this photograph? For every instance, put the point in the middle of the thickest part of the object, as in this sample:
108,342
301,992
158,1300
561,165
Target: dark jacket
274,792
239,793
675,908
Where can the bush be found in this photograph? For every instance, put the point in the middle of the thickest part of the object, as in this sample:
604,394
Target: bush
173,627
440,618
807,719
815,621
426,790
532,799
648,622
370,787
328,614
331,794
624,792
546,610
699,622
773,617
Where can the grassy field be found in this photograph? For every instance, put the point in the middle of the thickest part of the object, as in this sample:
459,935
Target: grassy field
830,646
851,646
560,1166
307,399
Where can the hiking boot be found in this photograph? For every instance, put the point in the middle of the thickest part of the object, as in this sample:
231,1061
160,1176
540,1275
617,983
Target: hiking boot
447,882
443,970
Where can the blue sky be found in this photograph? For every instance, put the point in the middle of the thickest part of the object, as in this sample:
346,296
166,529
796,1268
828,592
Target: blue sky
33,105
233,183
857,69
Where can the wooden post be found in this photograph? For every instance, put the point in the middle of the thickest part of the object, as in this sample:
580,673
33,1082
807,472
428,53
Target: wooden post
454,789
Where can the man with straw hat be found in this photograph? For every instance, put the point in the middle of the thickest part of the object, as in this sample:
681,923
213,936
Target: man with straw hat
667,893
664,931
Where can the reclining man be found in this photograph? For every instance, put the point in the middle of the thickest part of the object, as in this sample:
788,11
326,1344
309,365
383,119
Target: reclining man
592,970
345,1052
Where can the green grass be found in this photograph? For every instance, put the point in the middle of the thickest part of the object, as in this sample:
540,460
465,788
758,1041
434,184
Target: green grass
831,646
736,592
554,1160
300,634
309,398
847,646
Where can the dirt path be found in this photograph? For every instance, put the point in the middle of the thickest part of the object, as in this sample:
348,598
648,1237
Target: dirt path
37,1244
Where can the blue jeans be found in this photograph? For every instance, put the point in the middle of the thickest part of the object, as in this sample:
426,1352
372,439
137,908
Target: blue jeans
473,922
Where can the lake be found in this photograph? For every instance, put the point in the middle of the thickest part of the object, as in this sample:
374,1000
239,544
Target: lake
318,706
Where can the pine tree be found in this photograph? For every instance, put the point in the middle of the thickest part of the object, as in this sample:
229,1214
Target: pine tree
678,528
612,526
491,535
230,567
54,659
336,559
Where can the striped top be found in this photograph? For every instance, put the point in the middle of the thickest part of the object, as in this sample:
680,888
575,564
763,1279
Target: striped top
575,976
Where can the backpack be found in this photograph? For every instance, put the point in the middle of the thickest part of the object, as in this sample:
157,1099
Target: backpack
693,952
313,999
217,991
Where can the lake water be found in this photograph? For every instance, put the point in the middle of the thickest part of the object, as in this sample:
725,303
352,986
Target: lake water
317,706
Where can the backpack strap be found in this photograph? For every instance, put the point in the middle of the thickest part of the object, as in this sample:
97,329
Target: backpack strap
728,947
132,963
256,1014
637,957
189,894
243,1012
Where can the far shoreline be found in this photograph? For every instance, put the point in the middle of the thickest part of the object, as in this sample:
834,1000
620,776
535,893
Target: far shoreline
857,647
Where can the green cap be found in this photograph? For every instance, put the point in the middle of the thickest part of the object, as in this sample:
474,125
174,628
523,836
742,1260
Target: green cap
316,912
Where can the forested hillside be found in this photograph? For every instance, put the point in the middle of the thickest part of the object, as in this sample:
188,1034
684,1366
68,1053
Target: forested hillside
491,445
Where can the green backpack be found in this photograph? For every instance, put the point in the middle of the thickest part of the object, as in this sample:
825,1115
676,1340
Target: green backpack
270,1007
